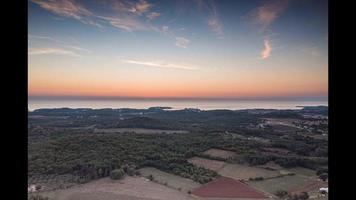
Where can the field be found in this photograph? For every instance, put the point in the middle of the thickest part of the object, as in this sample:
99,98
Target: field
138,131
303,171
271,165
129,188
239,171
224,187
282,183
170,180
284,124
52,182
220,153
207,163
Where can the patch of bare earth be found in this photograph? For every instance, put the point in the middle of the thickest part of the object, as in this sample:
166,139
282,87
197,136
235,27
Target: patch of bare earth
224,187
128,188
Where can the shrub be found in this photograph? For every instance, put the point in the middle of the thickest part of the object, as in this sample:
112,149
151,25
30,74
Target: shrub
150,177
117,174
281,193
323,176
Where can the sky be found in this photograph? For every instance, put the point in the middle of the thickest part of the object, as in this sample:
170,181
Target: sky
178,49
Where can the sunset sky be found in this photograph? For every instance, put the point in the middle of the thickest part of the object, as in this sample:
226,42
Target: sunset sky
178,48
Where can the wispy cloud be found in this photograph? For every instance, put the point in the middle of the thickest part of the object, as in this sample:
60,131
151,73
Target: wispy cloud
68,8
182,42
215,25
78,48
45,38
128,15
153,15
126,23
141,7
161,64
267,49
213,19
54,51
125,15
266,14
60,42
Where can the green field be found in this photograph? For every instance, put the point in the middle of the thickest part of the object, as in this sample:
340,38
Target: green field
239,171
170,180
281,183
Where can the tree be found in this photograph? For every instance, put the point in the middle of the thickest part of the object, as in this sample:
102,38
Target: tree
303,196
323,176
150,177
281,193
117,174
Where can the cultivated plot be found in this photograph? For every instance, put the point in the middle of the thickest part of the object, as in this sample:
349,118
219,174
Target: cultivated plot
170,180
224,187
286,183
245,172
128,188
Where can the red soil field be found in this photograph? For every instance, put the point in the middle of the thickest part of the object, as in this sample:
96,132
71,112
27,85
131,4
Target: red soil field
224,187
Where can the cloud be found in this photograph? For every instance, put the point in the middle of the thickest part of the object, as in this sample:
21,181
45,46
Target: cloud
60,42
215,26
128,15
44,38
182,42
161,64
68,8
164,29
125,15
213,19
153,15
141,7
78,48
266,14
126,23
266,52
54,51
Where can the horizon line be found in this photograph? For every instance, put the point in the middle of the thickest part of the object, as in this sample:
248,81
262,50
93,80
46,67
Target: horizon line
77,97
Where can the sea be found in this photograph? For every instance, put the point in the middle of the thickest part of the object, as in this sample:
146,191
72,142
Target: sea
204,104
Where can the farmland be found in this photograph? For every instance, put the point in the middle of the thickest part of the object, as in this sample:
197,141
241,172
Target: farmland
72,152
170,180
228,188
239,171
129,188
281,183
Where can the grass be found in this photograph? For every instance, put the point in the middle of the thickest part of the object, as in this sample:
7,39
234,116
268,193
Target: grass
239,171
281,183
170,180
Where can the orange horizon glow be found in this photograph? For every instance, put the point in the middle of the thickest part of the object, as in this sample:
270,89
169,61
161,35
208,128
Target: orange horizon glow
169,91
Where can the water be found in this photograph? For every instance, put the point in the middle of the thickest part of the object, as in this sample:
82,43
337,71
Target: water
175,104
